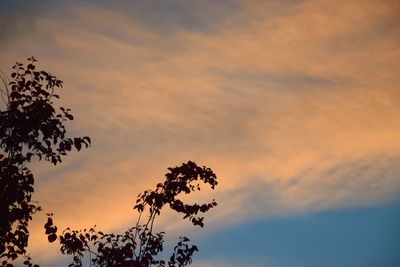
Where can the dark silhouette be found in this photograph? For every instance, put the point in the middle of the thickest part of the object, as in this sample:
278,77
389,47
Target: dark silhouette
31,128
139,245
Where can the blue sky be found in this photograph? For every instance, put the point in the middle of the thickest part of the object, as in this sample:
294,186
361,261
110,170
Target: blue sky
294,104
350,237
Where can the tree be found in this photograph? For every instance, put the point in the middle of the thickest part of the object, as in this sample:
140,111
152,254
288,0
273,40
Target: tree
30,127
139,245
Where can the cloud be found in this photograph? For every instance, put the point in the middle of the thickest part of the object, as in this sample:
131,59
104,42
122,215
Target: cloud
295,105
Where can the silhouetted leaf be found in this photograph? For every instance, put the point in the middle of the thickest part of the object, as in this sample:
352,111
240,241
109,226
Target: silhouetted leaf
52,238
77,143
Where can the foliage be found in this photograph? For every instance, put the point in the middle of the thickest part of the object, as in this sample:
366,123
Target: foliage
139,245
30,127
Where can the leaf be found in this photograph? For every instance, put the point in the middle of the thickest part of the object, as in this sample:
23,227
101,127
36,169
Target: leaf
77,143
69,116
87,139
52,238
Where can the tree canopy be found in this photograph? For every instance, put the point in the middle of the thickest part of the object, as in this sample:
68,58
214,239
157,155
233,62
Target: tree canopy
140,244
32,127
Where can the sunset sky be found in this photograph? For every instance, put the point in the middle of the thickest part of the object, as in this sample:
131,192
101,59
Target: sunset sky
294,104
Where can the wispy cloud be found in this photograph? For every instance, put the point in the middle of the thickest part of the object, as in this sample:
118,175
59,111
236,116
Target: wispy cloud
294,104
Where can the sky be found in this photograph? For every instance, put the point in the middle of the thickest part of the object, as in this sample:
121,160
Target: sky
294,104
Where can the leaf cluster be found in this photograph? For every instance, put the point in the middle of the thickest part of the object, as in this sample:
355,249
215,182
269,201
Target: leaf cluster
31,126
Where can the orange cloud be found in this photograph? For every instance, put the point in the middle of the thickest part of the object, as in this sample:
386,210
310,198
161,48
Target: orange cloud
294,106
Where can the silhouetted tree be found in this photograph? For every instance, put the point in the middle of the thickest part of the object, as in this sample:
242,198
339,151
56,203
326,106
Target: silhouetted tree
30,127
139,245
